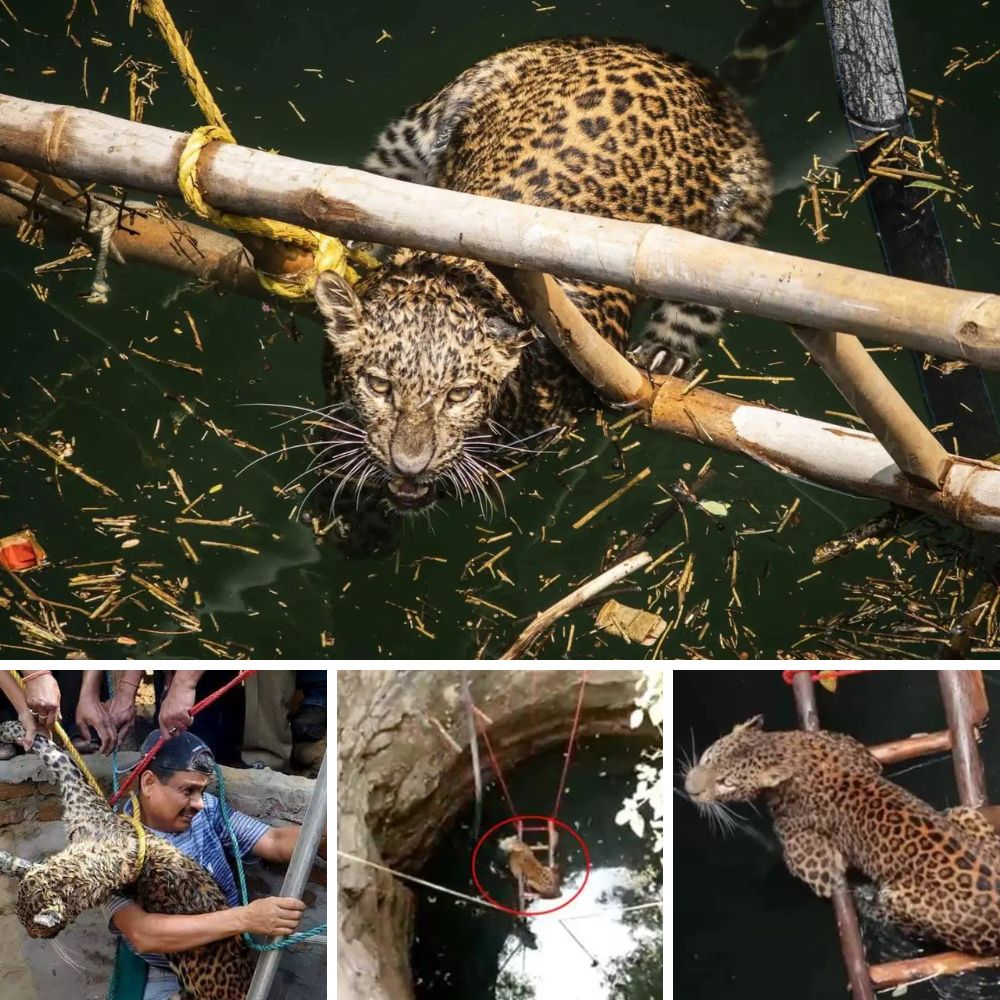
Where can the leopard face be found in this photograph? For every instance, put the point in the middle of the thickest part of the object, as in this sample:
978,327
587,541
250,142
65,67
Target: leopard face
739,767
421,360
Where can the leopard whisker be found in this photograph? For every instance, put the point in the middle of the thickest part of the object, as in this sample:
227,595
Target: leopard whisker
345,478
312,467
283,449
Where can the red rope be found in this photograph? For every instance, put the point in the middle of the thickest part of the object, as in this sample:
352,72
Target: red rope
815,675
195,709
569,746
496,764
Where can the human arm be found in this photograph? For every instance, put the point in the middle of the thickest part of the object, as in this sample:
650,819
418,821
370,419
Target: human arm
15,695
164,933
121,707
175,712
41,692
90,712
279,842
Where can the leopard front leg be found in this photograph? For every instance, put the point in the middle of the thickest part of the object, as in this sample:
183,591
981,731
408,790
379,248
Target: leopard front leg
813,857
13,866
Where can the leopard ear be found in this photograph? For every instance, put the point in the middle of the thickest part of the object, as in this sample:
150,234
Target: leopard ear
757,722
341,310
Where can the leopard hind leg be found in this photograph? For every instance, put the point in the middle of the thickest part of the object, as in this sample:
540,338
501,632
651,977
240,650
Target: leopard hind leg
676,336
85,813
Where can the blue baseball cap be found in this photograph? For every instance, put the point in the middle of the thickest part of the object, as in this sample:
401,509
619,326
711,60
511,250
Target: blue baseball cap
177,754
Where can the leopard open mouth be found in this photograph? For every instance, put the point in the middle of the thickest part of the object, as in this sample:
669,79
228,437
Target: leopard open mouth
408,494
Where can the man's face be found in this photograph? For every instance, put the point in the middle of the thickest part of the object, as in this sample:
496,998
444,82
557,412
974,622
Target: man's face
170,805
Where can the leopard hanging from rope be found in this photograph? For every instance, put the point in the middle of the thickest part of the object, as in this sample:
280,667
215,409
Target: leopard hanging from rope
937,874
100,860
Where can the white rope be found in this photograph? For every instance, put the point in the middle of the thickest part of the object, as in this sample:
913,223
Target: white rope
472,899
420,881
604,913
102,222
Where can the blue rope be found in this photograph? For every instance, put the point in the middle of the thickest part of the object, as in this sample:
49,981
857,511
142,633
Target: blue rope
286,942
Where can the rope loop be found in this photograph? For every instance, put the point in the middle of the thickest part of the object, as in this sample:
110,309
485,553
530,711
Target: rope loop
329,254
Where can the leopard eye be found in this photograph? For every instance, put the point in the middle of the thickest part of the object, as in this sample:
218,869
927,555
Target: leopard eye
377,384
459,394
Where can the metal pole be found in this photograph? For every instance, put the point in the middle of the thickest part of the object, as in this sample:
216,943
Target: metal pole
295,879
843,906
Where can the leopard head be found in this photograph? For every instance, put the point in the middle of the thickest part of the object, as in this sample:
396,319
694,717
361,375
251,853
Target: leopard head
739,766
421,359
41,907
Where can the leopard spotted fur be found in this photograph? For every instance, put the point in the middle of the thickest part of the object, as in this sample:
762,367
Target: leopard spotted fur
937,874
434,360
99,860
537,878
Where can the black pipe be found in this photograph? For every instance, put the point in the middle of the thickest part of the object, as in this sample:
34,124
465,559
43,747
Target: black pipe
873,98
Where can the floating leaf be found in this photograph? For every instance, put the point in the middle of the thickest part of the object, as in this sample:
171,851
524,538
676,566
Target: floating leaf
715,507
637,823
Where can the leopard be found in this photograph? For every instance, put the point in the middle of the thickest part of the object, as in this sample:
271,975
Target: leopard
935,874
434,372
100,860
537,878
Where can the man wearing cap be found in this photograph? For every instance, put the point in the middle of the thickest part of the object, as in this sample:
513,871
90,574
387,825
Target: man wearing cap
175,805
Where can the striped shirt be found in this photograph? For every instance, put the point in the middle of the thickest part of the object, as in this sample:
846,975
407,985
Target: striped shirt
203,841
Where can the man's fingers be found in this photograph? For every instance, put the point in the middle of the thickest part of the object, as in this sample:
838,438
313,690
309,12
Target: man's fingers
291,903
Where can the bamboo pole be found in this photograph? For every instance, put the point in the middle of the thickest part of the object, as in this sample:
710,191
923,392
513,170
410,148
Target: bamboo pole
839,458
146,238
877,401
914,970
958,692
656,261
582,594
614,377
913,746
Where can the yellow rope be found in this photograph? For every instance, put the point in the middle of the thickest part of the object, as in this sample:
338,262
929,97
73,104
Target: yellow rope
81,764
329,254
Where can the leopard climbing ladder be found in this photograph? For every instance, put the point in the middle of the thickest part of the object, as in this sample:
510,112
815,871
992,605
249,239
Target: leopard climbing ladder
525,896
966,708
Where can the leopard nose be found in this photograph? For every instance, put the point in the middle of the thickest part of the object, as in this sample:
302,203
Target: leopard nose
411,451
697,781
409,464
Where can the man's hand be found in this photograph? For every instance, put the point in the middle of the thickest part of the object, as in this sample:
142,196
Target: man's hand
175,712
42,697
121,708
273,916
90,712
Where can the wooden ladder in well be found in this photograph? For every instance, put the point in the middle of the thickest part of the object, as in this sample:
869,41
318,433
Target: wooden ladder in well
966,708
548,847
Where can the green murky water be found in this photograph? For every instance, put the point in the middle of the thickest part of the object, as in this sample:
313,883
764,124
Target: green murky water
70,369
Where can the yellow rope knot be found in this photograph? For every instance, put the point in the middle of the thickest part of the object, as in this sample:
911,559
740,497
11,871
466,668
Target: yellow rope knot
329,254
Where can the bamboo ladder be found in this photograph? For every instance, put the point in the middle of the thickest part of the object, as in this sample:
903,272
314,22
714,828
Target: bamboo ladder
966,709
